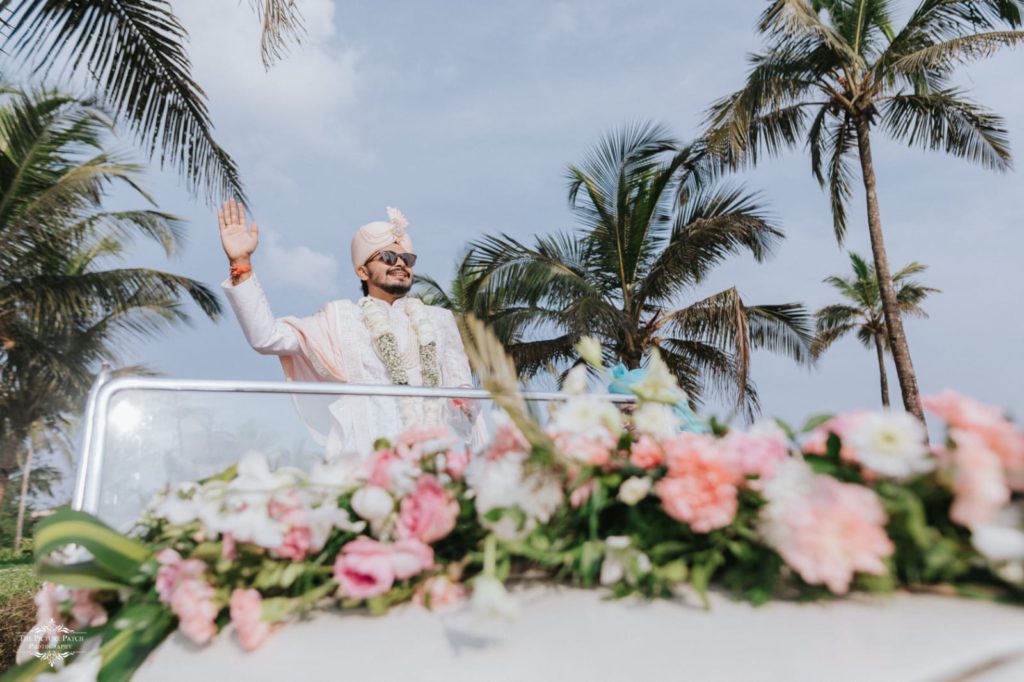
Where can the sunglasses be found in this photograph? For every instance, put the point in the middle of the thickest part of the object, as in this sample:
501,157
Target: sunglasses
390,258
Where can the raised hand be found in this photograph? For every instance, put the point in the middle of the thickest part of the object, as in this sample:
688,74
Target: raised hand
238,241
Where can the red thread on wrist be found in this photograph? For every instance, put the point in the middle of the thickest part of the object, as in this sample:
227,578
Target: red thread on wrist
239,270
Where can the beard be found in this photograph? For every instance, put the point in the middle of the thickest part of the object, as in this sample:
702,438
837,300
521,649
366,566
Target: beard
394,288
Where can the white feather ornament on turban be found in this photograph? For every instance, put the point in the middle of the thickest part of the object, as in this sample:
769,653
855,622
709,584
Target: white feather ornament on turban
378,235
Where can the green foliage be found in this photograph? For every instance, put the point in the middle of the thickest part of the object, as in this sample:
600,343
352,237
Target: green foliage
653,226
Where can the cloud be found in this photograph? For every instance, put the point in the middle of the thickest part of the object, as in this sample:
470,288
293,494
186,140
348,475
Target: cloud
299,105
299,267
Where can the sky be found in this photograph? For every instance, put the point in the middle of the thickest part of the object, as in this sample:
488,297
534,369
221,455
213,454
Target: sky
465,115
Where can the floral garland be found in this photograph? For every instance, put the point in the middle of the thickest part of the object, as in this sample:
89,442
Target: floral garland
378,322
856,501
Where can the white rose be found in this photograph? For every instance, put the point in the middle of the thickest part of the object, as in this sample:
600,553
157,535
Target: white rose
891,444
495,483
576,381
634,489
492,599
656,420
372,503
660,384
587,416
998,543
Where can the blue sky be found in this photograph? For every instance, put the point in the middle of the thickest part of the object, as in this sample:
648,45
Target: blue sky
465,114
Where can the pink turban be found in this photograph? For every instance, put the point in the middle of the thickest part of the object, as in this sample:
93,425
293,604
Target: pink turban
379,235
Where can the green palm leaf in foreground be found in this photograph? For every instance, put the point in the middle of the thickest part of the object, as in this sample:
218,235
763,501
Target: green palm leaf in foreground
65,306
652,228
134,51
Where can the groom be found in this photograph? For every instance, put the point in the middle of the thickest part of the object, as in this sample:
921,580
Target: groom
384,338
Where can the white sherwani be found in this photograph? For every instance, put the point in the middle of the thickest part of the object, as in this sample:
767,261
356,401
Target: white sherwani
350,424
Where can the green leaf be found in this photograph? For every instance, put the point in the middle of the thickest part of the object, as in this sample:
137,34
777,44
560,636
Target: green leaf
136,631
814,422
116,553
87,574
672,572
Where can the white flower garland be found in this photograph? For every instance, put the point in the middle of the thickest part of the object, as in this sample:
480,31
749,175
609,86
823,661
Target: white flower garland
379,323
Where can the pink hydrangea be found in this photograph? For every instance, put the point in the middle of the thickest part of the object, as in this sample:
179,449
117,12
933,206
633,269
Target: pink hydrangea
700,489
645,453
825,530
246,609
755,453
429,512
979,486
1001,436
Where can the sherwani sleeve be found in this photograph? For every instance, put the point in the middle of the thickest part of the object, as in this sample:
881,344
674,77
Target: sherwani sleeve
265,333
455,370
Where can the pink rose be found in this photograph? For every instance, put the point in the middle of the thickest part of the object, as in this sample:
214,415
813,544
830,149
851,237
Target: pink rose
193,604
247,615
295,545
428,513
363,569
438,592
410,557
1000,436
699,490
979,485
455,462
645,453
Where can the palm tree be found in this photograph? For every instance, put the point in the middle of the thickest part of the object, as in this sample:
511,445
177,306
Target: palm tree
863,310
64,308
652,228
834,71
134,53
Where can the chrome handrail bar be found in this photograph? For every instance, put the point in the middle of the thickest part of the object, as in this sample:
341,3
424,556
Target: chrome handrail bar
106,386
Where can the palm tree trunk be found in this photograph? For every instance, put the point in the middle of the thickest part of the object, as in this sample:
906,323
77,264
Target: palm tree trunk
880,347
893,321
26,472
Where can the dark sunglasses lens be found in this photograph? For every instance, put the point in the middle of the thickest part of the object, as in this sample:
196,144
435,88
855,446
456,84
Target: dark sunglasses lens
410,259
389,257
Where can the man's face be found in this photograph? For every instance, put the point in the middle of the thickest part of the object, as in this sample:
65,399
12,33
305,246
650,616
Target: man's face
396,279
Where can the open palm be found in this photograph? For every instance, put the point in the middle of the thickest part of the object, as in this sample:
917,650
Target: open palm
238,240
